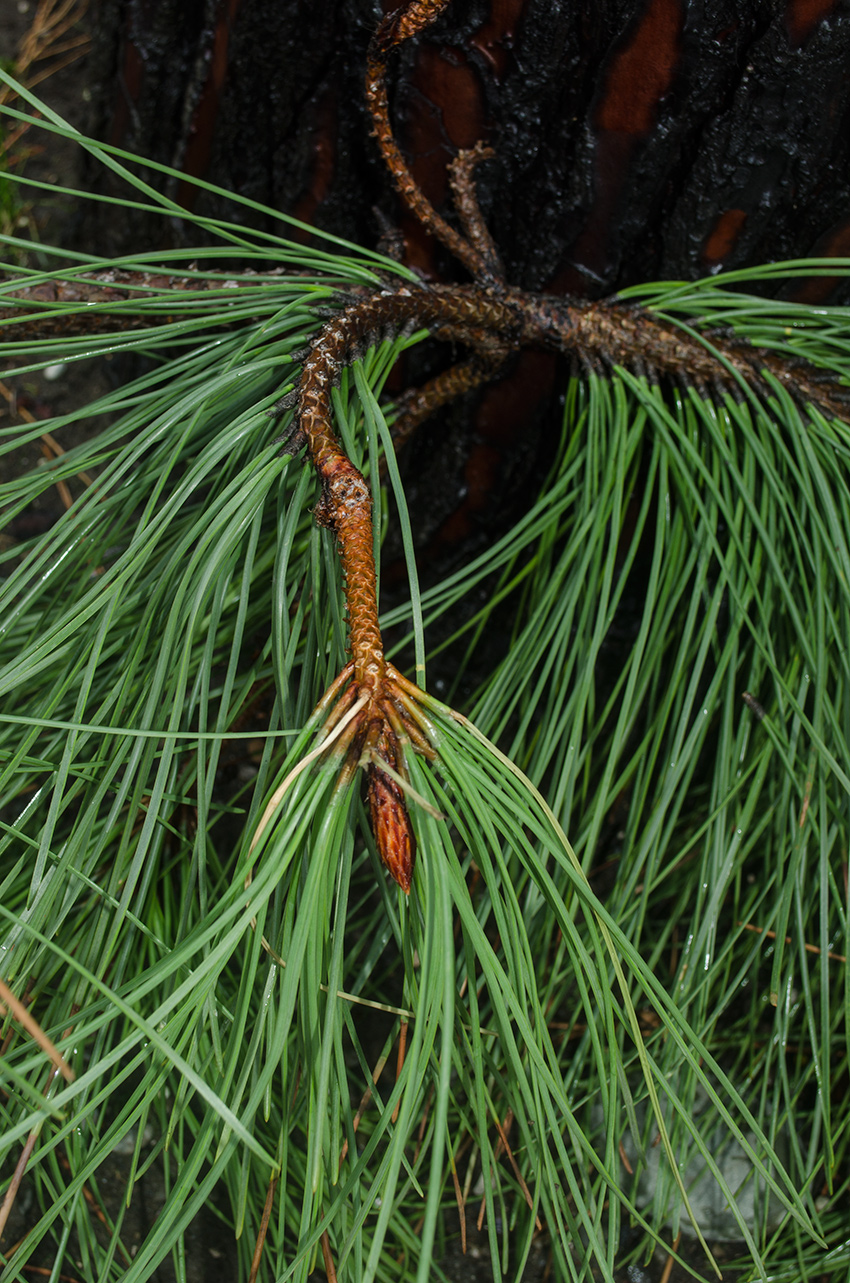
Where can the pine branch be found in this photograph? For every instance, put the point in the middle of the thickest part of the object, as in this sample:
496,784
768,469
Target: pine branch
114,300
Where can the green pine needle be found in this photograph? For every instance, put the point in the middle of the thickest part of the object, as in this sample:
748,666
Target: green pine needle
667,987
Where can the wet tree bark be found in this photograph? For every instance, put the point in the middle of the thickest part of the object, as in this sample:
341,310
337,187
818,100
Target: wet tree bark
634,139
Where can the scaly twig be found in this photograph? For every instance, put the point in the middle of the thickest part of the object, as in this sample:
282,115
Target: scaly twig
494,320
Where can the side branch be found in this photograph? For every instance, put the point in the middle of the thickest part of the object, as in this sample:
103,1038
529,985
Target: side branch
111,301
395,29
629,336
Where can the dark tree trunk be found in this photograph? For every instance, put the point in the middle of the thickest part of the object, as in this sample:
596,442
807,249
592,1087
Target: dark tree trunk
634,139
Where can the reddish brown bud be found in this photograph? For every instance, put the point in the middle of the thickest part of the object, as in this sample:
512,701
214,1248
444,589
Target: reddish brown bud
391,826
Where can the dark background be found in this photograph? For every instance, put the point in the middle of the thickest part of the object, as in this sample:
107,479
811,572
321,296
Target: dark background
635,139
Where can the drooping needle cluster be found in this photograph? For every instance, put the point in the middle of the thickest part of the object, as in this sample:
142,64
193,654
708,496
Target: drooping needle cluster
492,320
